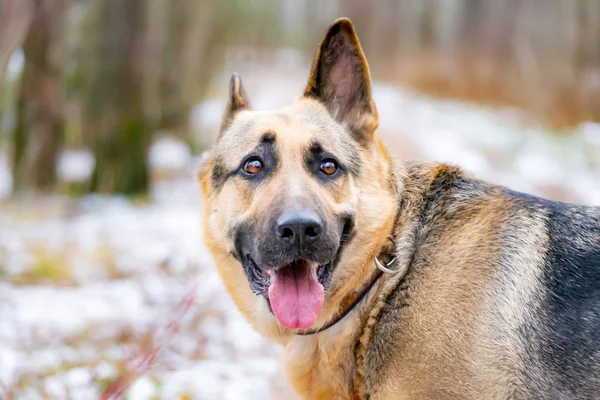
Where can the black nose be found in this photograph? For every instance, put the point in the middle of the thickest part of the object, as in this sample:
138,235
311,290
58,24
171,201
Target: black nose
301,226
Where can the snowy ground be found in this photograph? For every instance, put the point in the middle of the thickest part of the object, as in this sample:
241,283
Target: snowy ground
87,284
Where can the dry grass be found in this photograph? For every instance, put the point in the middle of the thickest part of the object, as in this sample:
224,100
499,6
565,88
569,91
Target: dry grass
564,101
48,268
52,267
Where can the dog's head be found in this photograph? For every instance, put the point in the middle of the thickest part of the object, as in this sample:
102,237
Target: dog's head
297,200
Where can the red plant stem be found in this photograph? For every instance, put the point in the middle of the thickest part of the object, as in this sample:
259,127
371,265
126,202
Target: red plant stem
119,385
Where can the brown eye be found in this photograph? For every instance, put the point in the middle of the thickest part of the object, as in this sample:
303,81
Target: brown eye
253,166
329,167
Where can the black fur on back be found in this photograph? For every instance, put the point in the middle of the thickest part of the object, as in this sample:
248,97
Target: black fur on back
565,339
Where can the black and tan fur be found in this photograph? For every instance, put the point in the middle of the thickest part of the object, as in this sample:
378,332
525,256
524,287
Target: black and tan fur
497,294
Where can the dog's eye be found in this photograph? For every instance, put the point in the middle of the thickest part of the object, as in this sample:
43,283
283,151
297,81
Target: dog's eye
253,166
329,167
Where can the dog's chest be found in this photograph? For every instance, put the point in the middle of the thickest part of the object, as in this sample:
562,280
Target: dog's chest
323,367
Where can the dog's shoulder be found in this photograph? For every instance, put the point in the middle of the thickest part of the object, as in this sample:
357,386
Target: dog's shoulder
441,192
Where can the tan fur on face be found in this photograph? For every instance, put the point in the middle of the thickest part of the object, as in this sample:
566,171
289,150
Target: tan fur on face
369,197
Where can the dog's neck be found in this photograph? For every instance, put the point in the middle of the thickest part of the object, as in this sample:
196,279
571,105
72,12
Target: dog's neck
309,358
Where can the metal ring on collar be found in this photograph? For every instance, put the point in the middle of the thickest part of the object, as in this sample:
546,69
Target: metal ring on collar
383,267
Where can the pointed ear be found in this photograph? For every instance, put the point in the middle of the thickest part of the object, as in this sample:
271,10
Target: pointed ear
340,80
238,101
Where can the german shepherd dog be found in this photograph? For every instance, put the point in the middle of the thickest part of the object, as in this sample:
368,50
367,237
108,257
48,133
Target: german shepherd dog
391,280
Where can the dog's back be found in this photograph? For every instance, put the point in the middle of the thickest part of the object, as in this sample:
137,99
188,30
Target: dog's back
502,297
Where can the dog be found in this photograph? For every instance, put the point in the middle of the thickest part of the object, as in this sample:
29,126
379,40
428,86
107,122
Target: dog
391,280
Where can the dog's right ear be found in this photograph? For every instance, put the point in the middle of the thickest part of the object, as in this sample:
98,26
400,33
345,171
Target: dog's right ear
340,80
238,101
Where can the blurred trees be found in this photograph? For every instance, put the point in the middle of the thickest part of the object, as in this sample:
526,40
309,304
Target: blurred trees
110,74
542,55
117,70
40,106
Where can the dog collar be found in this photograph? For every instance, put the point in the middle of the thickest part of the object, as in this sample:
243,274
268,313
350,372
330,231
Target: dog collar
384,260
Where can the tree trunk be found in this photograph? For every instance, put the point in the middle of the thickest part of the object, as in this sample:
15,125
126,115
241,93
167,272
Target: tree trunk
14,20
38,133
114,111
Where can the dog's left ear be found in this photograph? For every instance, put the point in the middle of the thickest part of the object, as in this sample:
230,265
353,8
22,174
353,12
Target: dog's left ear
340,80
238,101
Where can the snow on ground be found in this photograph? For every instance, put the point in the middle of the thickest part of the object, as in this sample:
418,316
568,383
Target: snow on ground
129,267
75,166
87,283
5,177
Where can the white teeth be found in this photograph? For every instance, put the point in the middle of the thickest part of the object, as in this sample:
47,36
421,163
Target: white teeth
271,275
314,268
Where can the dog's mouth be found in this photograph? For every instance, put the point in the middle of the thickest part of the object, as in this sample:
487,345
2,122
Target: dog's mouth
295,291
296,295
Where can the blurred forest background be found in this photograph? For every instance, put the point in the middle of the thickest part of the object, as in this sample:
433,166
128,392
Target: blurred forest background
106,104
110,75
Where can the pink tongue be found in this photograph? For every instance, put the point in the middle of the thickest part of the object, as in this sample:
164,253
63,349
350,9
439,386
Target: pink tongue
296,295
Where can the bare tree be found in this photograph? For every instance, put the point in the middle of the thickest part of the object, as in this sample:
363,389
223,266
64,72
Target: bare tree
179,58
39,130
14,21
114,118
